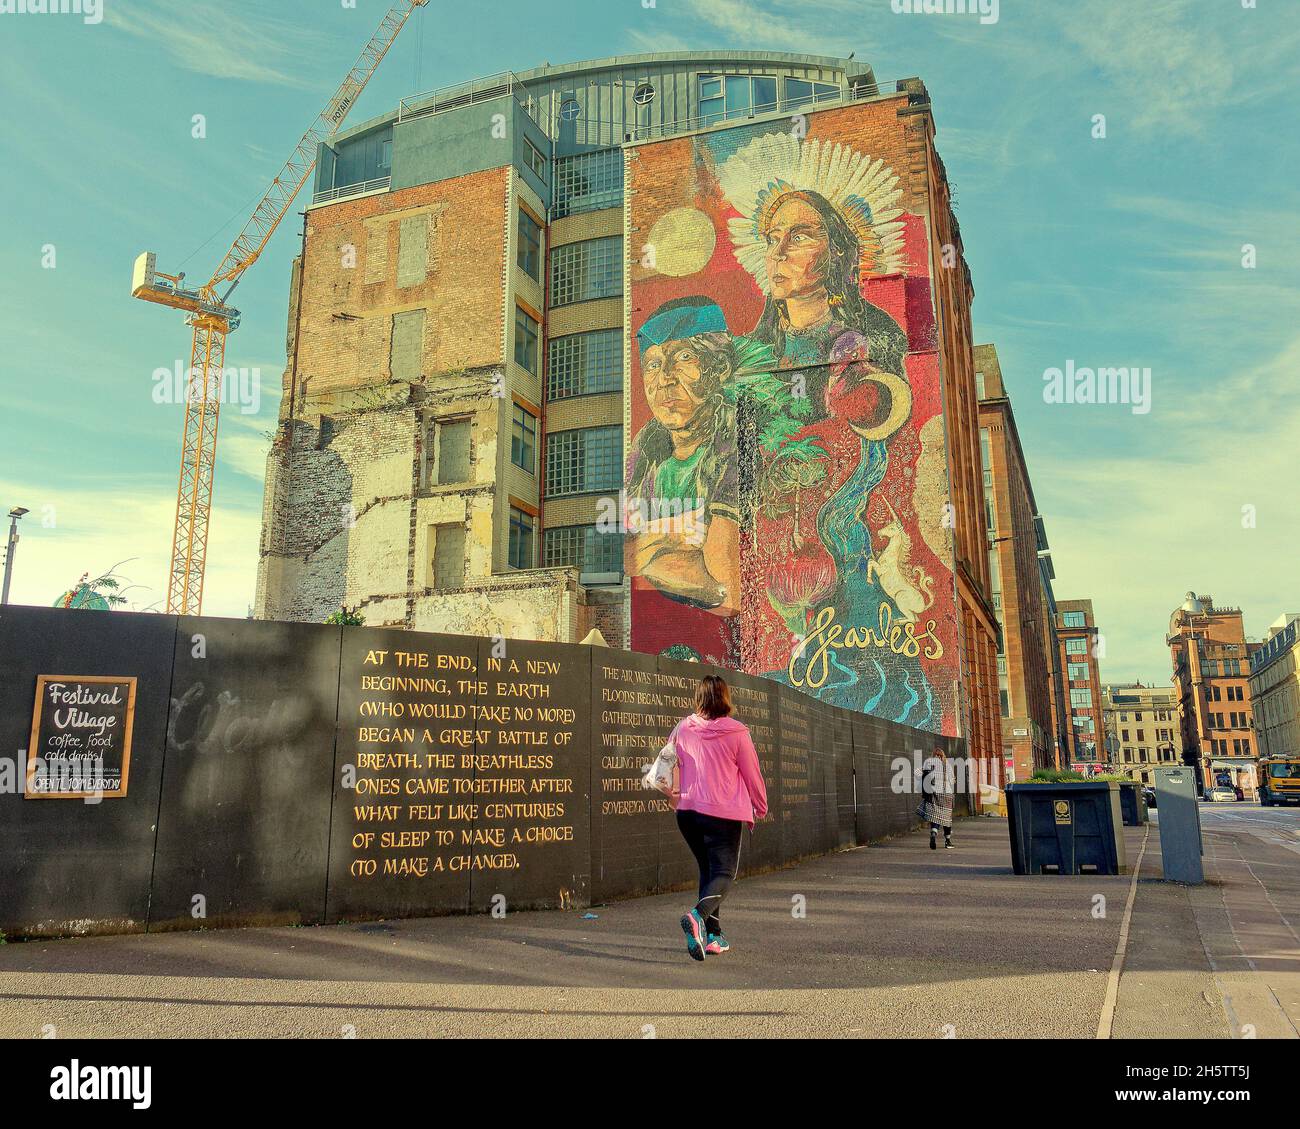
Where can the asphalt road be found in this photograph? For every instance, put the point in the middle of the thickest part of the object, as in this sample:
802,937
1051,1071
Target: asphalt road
891,940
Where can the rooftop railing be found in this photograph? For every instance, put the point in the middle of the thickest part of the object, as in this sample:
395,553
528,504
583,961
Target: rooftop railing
343,191
784,106
502,84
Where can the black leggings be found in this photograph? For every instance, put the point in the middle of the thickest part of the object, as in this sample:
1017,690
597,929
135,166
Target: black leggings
715,843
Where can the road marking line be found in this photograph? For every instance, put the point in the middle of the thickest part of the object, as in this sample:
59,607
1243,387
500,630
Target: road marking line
1107,1020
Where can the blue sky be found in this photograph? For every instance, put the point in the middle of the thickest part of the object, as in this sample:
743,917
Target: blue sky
1121,251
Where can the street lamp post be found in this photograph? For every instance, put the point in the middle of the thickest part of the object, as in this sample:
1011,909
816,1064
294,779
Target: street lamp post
10,549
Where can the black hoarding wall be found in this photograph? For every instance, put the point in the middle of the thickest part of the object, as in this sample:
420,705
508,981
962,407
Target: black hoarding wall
72,866
846,780
757,704
243,833
632,846
302,773
403,815
532,773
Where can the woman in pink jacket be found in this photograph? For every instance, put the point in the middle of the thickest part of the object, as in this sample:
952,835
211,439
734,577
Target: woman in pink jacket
720,792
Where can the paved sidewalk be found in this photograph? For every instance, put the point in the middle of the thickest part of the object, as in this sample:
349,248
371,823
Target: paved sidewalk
897,941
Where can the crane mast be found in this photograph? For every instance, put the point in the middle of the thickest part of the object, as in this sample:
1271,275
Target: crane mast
213,319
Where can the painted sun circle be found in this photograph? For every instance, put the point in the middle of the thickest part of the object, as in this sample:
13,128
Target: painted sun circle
683,240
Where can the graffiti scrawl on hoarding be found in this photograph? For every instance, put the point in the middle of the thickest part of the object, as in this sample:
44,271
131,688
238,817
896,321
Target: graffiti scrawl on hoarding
786,482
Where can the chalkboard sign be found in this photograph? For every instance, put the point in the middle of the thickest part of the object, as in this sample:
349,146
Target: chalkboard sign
81,736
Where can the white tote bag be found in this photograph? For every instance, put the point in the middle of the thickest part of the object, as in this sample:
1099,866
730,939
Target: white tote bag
661,773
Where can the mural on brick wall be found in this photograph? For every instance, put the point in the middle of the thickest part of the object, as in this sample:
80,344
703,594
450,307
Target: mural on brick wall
786,481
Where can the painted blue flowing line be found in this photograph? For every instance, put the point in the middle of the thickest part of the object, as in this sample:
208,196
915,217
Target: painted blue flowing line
911,701
849,539
851,676
870,707
929,703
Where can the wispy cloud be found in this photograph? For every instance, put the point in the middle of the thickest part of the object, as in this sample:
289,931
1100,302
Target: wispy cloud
242,43
72,531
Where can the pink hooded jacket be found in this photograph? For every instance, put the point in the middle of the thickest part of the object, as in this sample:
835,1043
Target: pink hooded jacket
718,769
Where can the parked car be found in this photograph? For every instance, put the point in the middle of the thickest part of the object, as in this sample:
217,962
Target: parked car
1221,794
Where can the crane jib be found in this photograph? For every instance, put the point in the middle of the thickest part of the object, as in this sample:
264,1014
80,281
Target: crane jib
212,320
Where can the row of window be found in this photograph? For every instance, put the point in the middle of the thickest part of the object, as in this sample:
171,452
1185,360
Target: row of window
584,461
1240,747
1214,693
587,182
1235,721
581,272
581,546
448,445
1076,646
731,96
1161,735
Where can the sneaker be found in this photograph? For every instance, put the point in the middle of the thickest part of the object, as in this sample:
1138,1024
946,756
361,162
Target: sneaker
717,944
947,845
693,927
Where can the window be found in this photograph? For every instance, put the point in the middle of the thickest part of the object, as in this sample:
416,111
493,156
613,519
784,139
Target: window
386,155
570,110
588,181
644,94
413,250
534,161
799,92
1073,619
1078,672
452,452
448,564
1076,646
406,348
1123,735
1081,698
583,271
584,460
736,96
582,363
584,547
521,538
979,388
525,340
530,246
1141,735
523,439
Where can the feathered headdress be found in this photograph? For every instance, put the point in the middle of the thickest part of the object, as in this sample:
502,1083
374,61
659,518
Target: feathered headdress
758,177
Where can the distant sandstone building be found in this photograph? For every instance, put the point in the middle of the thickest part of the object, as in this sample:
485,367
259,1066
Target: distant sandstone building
1141,724
673,346
1275,688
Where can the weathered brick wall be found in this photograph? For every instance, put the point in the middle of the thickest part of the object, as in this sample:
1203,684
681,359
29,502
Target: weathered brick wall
359,271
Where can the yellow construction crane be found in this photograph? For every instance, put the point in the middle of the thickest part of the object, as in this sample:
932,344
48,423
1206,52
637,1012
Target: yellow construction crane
213,318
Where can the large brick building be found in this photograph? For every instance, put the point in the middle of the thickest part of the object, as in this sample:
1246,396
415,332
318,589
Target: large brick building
1020,566
1081,646
482,327
1211,676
